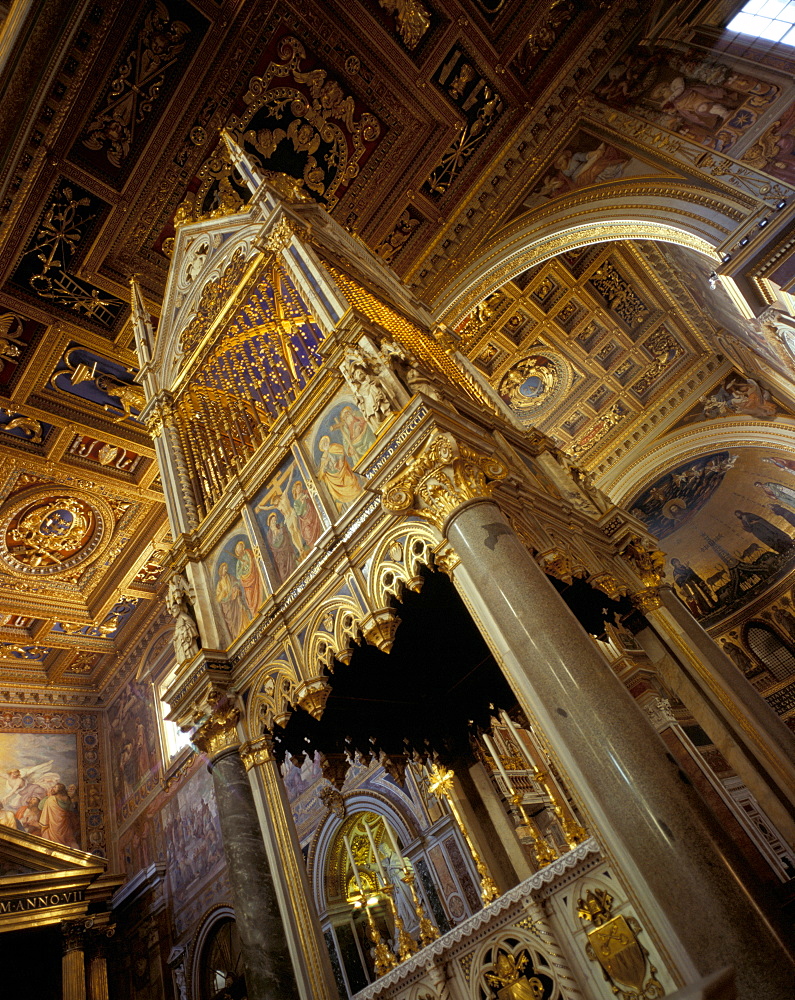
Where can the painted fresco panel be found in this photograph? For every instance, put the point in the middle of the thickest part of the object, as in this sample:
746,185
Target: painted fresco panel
135,757
192,833
726,521
338,441
239,589
710,102
735,395
39,786
584,160
291,518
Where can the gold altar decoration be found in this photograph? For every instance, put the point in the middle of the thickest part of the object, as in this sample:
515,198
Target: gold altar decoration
444,475
441,785
613,943
508,979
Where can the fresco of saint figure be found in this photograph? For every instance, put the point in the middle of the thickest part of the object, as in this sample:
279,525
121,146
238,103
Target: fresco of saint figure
247,572
231,601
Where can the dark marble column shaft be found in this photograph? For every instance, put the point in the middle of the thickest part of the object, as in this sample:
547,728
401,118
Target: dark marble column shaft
680,866
269,972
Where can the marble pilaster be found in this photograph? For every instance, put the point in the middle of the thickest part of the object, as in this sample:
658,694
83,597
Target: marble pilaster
269,971
731,711
663,837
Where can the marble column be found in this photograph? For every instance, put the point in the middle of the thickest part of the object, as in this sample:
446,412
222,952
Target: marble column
681,869
305,936
269,971
73,964
748,732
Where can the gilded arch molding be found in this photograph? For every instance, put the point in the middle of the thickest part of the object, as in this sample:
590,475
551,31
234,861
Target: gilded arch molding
698,222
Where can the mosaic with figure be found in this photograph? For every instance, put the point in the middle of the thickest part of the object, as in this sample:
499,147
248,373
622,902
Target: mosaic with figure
239,589
726,521
291,518
339,439
39,786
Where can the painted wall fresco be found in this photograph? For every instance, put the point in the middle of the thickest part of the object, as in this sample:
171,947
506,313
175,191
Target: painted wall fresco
726,521
338,440
39,786
585,160
192,832
291,518
774,150
239,589
710,102
135,755
735,395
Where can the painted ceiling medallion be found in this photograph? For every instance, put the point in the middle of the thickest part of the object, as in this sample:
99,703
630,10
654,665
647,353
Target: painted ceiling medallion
531,382
49,533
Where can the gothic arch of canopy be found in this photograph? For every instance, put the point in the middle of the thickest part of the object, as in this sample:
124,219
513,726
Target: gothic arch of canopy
333,626
674,213
402,550
273,696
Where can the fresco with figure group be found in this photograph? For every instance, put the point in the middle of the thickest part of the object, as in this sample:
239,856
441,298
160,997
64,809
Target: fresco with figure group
711,102
338,440
239,588
726,521
291,518
583,161
39,786
735,395
132,732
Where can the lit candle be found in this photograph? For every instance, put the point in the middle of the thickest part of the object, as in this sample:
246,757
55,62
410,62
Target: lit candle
493,751
353,863
378,864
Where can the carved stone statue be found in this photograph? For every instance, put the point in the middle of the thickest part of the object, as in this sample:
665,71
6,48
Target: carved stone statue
186,633
370,396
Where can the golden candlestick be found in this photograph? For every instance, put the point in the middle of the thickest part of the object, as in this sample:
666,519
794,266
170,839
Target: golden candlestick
428,930
385,958
440,785
406,945
543,851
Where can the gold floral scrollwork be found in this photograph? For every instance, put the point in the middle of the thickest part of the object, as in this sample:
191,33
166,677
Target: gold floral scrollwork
556,563
280,235
411,19
219,732
445,475
648,562
257,752
613,943
608,584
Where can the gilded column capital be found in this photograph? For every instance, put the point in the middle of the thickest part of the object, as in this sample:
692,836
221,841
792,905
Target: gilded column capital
445,475
257,752
219,731
647,600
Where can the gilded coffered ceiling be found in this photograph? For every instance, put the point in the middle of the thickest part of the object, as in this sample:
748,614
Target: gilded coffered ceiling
433,130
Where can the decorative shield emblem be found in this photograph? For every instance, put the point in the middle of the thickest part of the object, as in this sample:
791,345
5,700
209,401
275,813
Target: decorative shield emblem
618,952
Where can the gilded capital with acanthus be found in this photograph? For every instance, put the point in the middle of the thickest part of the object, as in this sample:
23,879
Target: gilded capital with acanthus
444,476
257,752
647,600
219,731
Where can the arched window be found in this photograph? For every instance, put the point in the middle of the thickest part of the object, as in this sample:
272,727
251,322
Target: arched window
767,645
221,972
771,20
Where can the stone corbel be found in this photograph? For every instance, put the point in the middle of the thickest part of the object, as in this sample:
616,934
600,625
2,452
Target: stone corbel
380,627
312,696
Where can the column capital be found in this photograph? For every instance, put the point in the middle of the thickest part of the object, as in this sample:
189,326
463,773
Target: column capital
257,752
219,731
440,479
73,933
647,600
